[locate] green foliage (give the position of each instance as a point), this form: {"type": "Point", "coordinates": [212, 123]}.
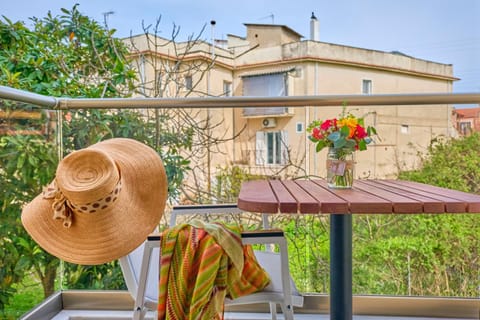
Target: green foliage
{"type": "Point", "coordinates": [26, 164]}
{"type": "Point", "coordinates": [106, 276]}
{"type": "Point", "coordinates": [424, 254]}
{"type": "Point", "coordinates": [420, 255]}
{"type": "Point", "coordinates": [416, 254]}
{"type": "Point", "coordinates": [308, 249]}
{"type": "Point", "coordinates": [66, 55]}
{"type": "Point", "coordinates": [451, 164]}
{"type": "Point", "coordinates": [9, 274]}
{"type": "Point", "coordinates": [29, 293]}
{"type": "Point", "coordinates": [228, 182]}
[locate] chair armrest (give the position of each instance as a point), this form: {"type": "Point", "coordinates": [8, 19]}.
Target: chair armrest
{"type": "Point", "coordinates": [207, 208]}
{"type": "Point", "coordinates": [263, 233]}
{"type": "Point", "coordinates": [269, 236]}
{"type": "Point", "coordinates": [262, 236]}
{"type": "Point", "coordinates": [154, 237]}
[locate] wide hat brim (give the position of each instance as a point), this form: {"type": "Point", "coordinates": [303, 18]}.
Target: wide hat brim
{"type": "Point", "coordinates": [113, 233]}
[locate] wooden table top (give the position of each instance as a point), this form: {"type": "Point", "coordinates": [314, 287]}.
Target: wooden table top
{"type": "Point", "coordinates": [366, 196]}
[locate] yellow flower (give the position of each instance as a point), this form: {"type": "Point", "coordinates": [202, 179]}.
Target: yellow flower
{"type": "Point", "coordinates": [350, 122]}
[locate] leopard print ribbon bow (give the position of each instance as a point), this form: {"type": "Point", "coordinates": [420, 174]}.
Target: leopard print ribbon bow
{"type": "Point", "coordinates": [61, 206]}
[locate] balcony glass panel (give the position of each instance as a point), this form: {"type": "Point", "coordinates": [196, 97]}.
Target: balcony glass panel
{"type": "Point", "coordinates": [404, 255]}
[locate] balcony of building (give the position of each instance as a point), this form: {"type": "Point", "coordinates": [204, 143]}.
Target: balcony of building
{"type": "Point", "coordinates": [105, 304]}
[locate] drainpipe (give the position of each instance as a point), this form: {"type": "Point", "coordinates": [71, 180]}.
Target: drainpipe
{"type": "Point", "coordinates": [450, 132]}
{"type": "Point", "coordinates": [315, 115]}
{"type": "Point", "coordinates": [142, 73]}
{"type": "Point", "coordinates": [315, 36]}
{"type": "Point", "coordinates": [209, 155]}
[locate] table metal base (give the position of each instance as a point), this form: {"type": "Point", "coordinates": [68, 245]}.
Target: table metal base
{"type": "Point", "coordinates": [341, 266]}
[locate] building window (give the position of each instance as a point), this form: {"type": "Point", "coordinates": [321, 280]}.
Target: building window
{"type": "Point", "coordinates": [404, 128]}
{"type": "Point", "coordinates": [271, 147]}
{"type": "Point", "coordinates": [299, 127]}
{"type": "Point", "coordinates": [227, 88]}
{"type": "Point", "coordinates": [366, 86]}
{"type": "Point", "coordinates": [188, 82]}
{"type": "Point", "coordinates": [268, 85]}
{"type": "Point", "coordinates": [465, 128]}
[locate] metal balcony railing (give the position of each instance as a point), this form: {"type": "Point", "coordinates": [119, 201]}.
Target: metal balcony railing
{"type": "Point", "coordinates": [239, 102]}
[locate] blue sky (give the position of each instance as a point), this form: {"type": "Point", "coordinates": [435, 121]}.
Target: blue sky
{"type": "Point", "coordinates": [445, 31]}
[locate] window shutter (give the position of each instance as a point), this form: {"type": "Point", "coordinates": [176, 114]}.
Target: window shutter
{"type": "Point", "coordinates": [260, 150]}
{"type": "Point", "coordinates": [284, 147]}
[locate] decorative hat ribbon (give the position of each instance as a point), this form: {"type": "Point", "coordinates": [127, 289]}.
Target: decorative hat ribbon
{"type": "Point", "coordinates": [61, 206]}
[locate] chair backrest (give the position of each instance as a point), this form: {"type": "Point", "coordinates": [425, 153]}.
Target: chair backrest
{"type": "Point", "coordinates": [131, 266]}
{"type": "Point", "coordinates": [205, 209]}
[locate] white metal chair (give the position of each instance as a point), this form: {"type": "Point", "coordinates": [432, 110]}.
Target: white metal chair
{"type": "Point", "coordinates": [140, 269]}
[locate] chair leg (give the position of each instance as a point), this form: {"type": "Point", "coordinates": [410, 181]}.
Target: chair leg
{"type": "Point", "coordinates": [139, 314]}
{"type": "Point", "coordinates": [273, 310]}
{"type": "Point", "coordinates": [287, 312]}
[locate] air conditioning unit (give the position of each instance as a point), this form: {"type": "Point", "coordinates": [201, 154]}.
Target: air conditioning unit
{"type": "Point", "coordinates": [269, 123]}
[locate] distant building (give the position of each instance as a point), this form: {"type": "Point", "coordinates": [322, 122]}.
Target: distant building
{"type": "Point", "coordinates": [273, 60]}
{"type": "Point", "coordinates": [467, 120]}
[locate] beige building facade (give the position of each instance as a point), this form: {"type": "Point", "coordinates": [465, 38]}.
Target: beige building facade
{"type": "Point", "coordinates": [273, 60]}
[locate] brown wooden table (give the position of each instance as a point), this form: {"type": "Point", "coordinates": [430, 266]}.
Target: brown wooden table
{"type": "Point", "coordinates": [367, 196]}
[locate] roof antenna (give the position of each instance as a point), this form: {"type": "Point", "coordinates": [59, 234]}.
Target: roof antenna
{"type": "Point", "coordinates": [105, 17]}
{"type": "Point", "coordinates": [271, 16]}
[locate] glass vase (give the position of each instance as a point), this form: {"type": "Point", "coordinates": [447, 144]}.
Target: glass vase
{"type": "Point", "coordinates": [340, 168]}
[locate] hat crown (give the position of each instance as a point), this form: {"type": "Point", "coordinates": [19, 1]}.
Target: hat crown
{"type": "Point", "coordinates": [87, 175]}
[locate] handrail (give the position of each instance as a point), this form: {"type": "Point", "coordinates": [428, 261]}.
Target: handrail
{"type": "Point", "coordinates": [28, 97]}
{"type": "Point", "coordinates": [225, 102]}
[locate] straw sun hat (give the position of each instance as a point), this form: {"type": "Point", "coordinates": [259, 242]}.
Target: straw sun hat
{"type": "Point", "coordinates": [102, 204]}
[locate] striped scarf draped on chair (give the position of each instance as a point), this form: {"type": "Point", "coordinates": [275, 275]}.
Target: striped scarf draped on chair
{"type": "Point", "coordinates": [201, 264]}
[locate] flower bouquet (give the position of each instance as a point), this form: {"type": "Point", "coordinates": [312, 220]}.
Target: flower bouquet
{"type": "Point", "coordinates": [343, 136]}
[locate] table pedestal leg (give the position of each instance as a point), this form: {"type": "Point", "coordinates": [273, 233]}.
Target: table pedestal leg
{"type": "Point", "coordinates": [341, 266]}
